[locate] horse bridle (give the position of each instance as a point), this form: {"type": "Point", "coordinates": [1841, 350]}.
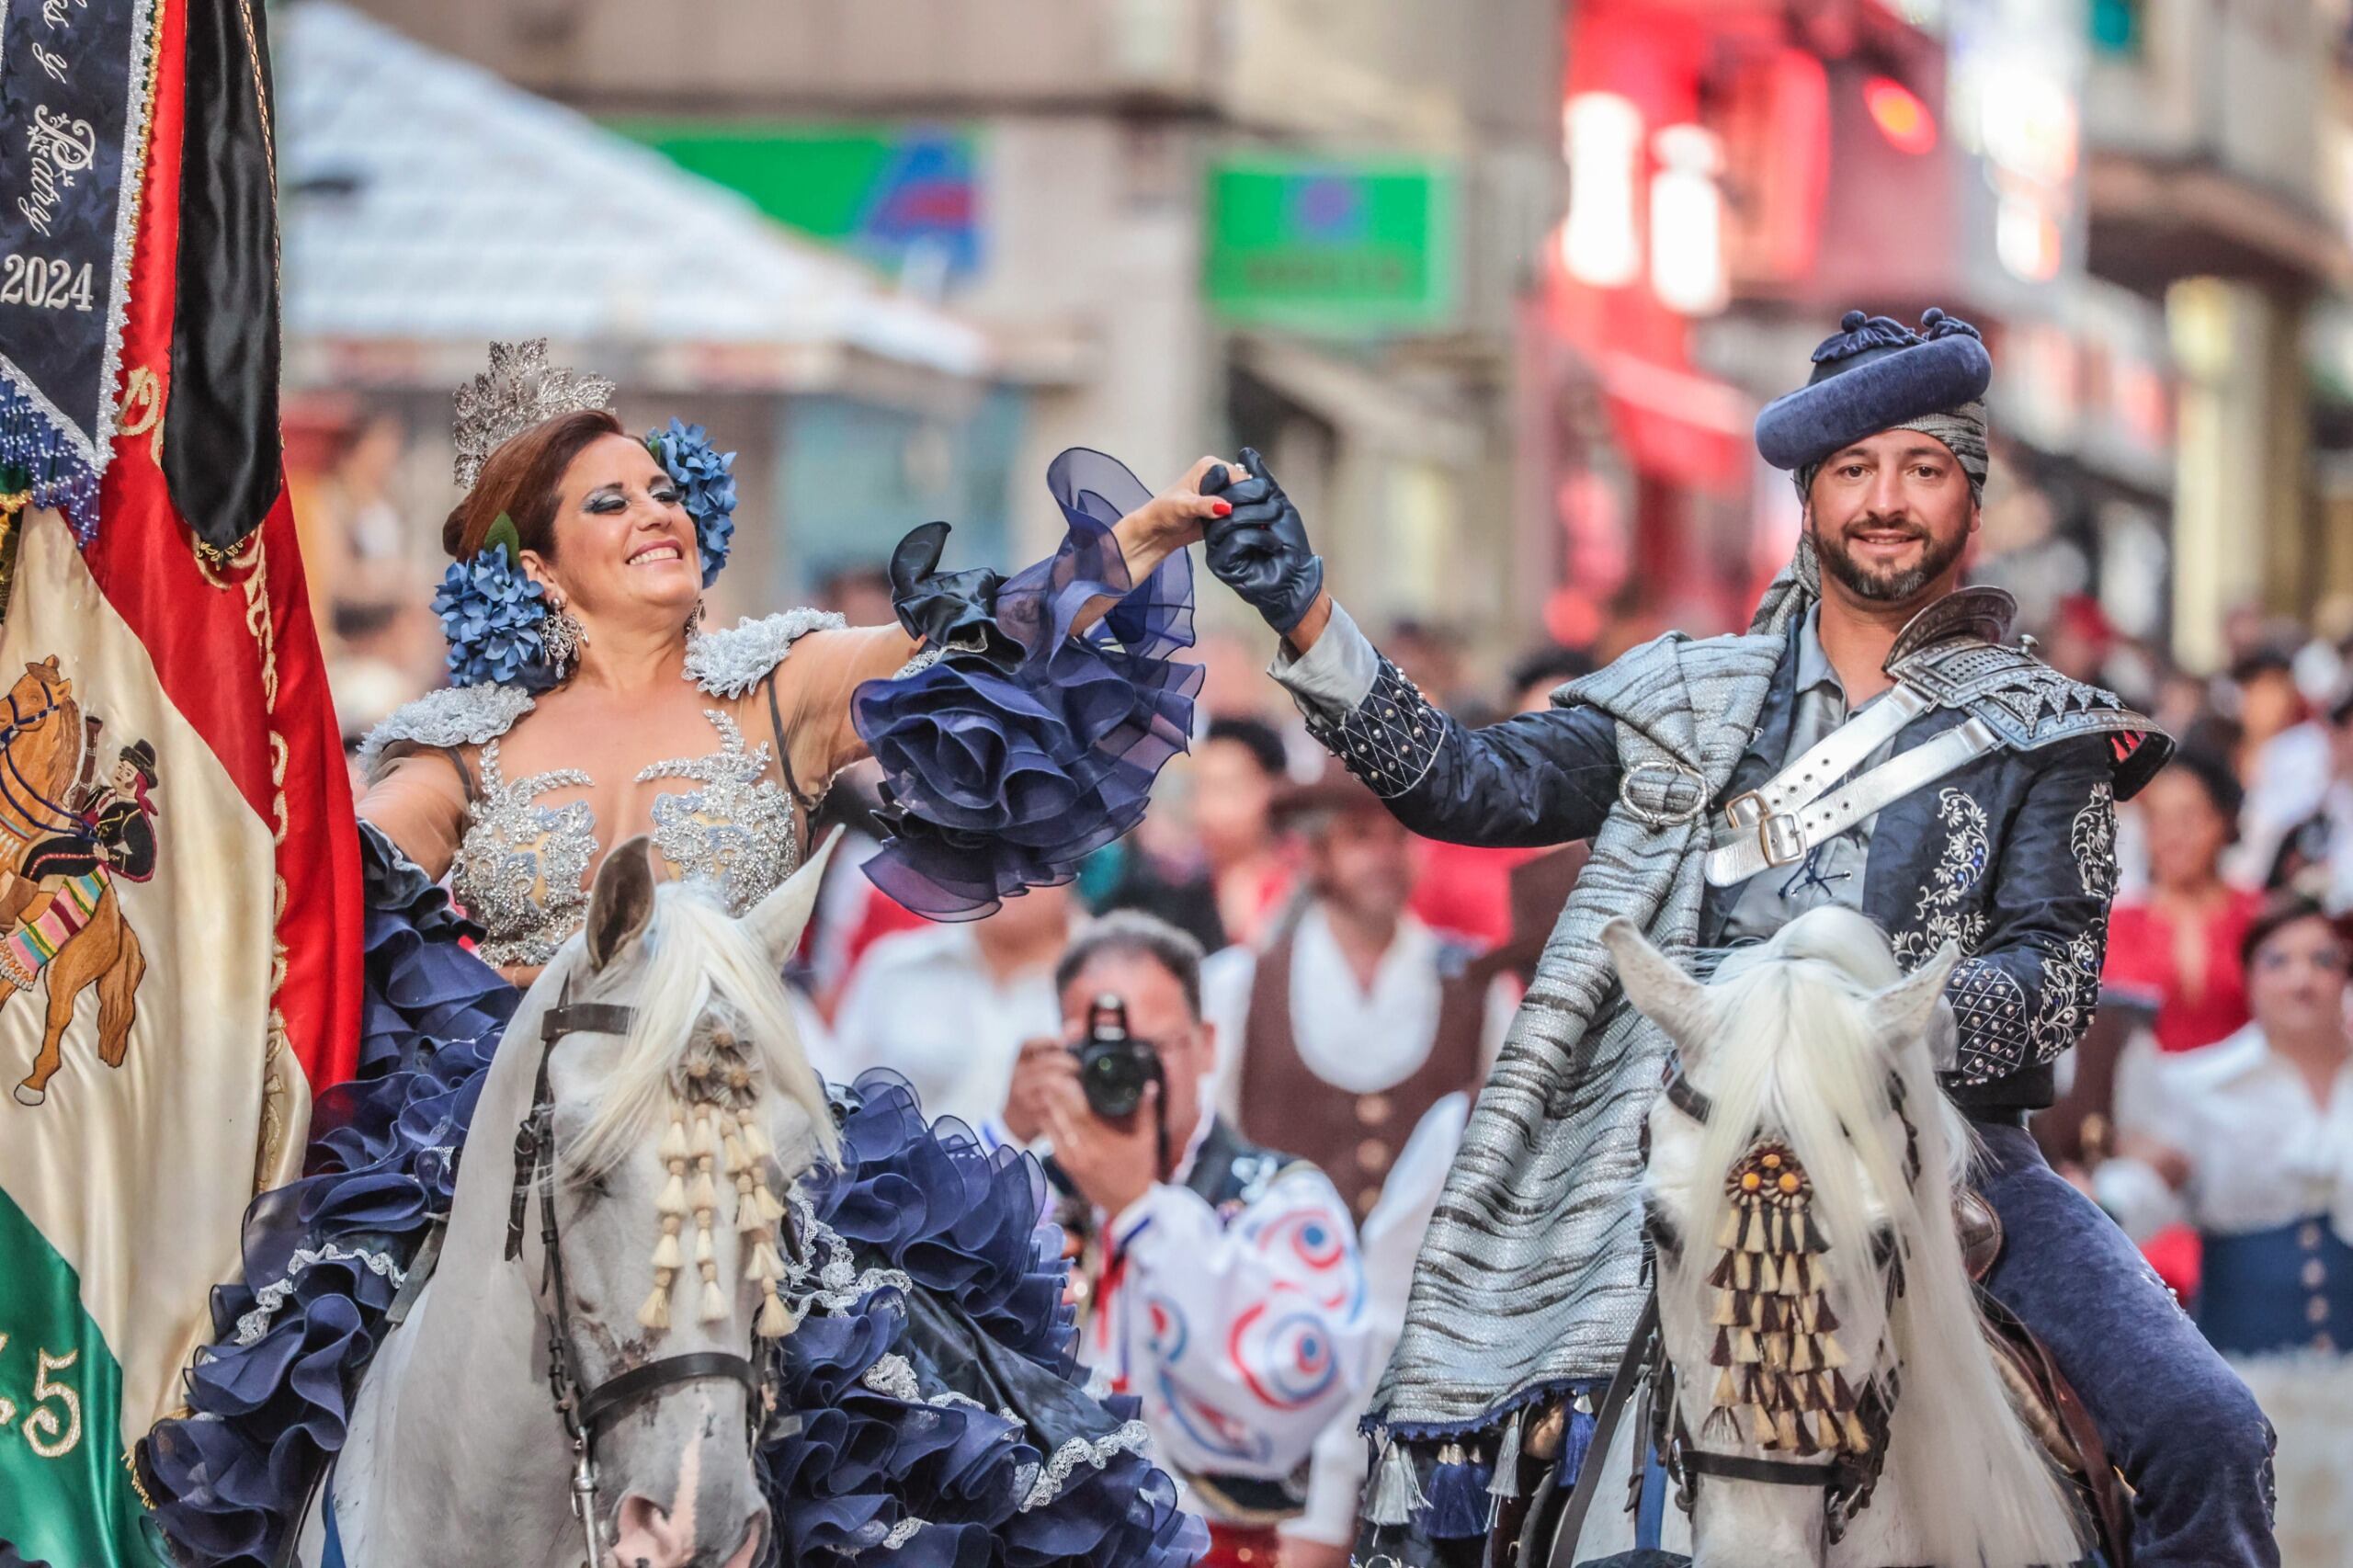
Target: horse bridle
{"type": "Point", "coordinates": [587, 1414]}
{"type": "Point", "coordinates": [1847, 1479]}
{"type": "Point", "coordinates": [18, 722]}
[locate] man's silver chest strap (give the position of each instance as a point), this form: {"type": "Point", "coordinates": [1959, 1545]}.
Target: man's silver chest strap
{"type": "Point", "coordinates": [1779, 823]}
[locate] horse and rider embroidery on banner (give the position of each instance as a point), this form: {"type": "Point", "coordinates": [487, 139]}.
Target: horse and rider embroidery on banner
{"type": "Point", "coordinates": [71, 829]}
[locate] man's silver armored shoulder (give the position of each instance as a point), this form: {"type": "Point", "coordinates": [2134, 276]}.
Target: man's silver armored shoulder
{"type": "Point", "coordinates": [1950, 653]}
{"type": "Point", "coordinates": [454, 716]}
{"type": "Point", "coordinates": [731, 663]}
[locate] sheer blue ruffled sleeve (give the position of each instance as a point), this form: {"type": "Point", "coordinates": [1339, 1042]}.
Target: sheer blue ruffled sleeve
{"type": "Point", "coordinates": [1028, 745]}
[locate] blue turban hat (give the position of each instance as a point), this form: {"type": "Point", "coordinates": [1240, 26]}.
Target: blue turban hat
{"type": "Point", "coordinates": [1877, 374]}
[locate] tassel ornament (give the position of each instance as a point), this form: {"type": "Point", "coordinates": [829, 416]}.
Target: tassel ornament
{"type": "Point", "coordinates": [655, 1313]}
{"type": "Point", "coordinates": [1506, 1483]}
{"type": "Point", "coordinates": [1396, 1491]}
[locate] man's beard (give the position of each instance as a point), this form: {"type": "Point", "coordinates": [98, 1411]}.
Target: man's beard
{"type": "Point", "coordinates": [1891, 586]}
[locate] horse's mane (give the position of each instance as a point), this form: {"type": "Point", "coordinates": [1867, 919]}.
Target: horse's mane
{"type": "Point", "coordinates": [1794, 1052]}
{"type": "Point", "coordinates": [699, 958]}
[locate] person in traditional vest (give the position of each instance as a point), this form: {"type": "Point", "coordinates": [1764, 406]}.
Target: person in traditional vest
{"type": "Point", "coordinates": [1338, 1036]}
{"type": "Point", "coordinates": [1223, 1285]}
{"type": "Point", "coordinates": [1873, 740]}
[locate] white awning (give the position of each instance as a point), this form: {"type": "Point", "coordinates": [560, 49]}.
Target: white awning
{"type": "Point", "coordinates": [428, 206]}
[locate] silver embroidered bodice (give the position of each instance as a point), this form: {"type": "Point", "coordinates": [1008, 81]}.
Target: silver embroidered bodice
{"type": "Point", "coordinates": [521, 867]}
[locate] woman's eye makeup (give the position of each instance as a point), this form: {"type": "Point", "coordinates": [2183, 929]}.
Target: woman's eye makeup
{"type": "Point", "coordinates": [605, 501]}
{"type": "Point", "coordinates": [666, 495]}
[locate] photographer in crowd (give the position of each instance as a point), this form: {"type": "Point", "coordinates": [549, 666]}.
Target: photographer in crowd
{"type": "Point", "coordinates": [1223, 1283]}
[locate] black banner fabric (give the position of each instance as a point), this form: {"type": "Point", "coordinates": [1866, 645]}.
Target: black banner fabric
{"type": "Point", "coordinates": [74, 86]}
{"type": "Point", "coordinates": [222, 451]}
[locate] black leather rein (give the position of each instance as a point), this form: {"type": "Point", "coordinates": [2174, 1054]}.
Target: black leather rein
{"type": "Point", "coordinates": [586, 1415]}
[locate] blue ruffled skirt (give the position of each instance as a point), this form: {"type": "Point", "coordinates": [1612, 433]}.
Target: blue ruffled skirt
{"type": "Point", "coordinates": [941, 1426]}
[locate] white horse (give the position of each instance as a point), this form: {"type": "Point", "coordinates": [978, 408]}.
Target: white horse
{"type": "Point", "coordinates": [1813, 1301]}
{"type": "Point", "coordinates": [457, 1454]}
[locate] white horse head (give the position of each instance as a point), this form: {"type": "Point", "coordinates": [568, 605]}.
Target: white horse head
{"type": "Point", "coordinates": [675, 1141]}
{"type": "Point", "coordinates": [676, 1136]}
{"type": "Point", "coordinates": [1812, 1294]}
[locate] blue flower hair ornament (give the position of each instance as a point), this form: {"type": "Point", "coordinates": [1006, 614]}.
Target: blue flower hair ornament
{"type": "Point", "coordinates": [493, 614]}
{"type": "Point", "coordinates": [706, 480]}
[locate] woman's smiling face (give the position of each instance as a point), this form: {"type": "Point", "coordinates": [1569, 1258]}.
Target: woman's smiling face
{"type": "Point", "coordinates": [624, 544]}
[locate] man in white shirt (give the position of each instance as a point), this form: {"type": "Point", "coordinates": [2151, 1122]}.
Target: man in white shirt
{"type": "Point", "coordinates": [1225, 1288]}
{"type": "Point", "coordinates": [1354, 1018]}
{"type": "Point", "coordinates": [948, 1006]}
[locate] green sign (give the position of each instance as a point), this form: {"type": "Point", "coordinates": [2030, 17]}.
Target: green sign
{"type": "Point", "coordinates": [1332, 245]}
{"type": "Point", "coordinates": [880, 191]}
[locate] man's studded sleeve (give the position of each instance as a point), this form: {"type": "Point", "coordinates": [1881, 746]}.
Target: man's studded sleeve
{"type": "Point", "coordinates": [1532, 780]}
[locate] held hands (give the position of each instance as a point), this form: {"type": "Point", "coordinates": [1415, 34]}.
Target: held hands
{"type": "Point", "coordinates": [1261, 551]}
{"type": "Point", "coordinates": [1175, 517]}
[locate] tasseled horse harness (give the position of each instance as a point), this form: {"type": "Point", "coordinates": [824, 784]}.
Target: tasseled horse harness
{"type": "Point", "coordinates": [1780, 1371]}
{"type": "Point", "coordinates": [1781, 1375]}
{"type": "Point", "coordinates": [721, 1103]}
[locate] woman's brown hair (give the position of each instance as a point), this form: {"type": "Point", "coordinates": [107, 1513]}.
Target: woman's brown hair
{"type": "Point", "coordinates": [521, 479]}
{"type": "Point", "coordinates": [2282, 908]}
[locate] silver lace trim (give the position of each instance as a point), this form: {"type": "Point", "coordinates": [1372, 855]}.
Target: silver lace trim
{"type": "Point", "coordinates": [274, 1295]}
{"type": "Point", "coordinates": [1134, 1437]}
{"type": "Point", "coordinates": [731, 661]}
{"type": "Point", "coordinates": [454, 716]}
{"type": "Point", "coordinates": [902, 1533]}
{"type": "Point", "coordinates": [894, 1375]}
{"type": "Point", "coordinates": [835, 1284]}
{"type": "Point", "coordinates": [736, 832]}
{"type": "Point", "coordinates": [926, 656]}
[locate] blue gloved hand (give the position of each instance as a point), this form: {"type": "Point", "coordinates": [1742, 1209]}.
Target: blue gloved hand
{"type": "Point", "coordinates": [1261, 551]}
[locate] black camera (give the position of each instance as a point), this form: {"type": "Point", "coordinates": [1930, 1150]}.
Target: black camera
{"type": "Point", "coordinates": [1114, 1066]}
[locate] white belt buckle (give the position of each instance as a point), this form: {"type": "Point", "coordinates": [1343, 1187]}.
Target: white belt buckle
{"type": "Point", "coordinates": [1782, 838]}
{"type": "Point", "coordinates": [1779, 836]}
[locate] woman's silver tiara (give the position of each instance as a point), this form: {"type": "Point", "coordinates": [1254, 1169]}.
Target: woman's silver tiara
{"type": "Point", "coordinates": [518, 391]}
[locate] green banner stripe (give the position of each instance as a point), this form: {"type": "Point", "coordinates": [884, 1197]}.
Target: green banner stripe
{"type": "Point", "coordinates": [65, 1489]}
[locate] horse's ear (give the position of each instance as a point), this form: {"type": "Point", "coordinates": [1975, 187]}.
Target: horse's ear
{"type": "Point", "coordinates": [622, 902]}
{"type": "Point", "coordinates": [1902, 1013]}
{"type": "Point", "coordinates": [1657, 985]}
{"type": "Point", "coordinates": [779, 919]}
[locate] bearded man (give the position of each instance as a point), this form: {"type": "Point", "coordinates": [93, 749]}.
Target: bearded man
{"type": "Point", "coordinates": [1873, 740]}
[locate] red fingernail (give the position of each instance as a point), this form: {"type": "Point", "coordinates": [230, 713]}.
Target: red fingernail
{"type": "Point", "coordinates": [1223, 508]}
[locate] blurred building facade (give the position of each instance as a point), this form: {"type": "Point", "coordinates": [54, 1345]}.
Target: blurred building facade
{"type": "Point", "coordinates": [2142, 202]}
{"type": "Point", "coordinates": [1499, 288]}
{"type": "Point", "coordinates": [1300, 224]}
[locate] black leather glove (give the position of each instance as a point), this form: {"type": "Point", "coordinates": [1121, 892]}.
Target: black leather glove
{"type": "Point", "coordinates": [1261, 551]}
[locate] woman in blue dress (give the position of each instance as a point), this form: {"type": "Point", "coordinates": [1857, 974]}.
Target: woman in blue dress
{"type": "Point", "coordinates": [1019, 723]}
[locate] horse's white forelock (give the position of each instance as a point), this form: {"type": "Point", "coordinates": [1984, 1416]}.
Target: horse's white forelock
{"type": "Point", "coordinates": [696, 956]}
{"type": "Point", "coordinates": [1793, 1050]}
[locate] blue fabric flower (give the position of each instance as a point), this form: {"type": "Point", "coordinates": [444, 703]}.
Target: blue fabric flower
{"type": "Point", "coordinates": [706, 480]}
{"type": "Point", "coordinates": [492, 613]}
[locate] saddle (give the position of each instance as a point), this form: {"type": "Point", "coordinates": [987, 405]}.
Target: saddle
{"type": "Point", "coordinates": [2052, 1408]}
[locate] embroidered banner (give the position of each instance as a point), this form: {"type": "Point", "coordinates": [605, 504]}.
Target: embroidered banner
{"type": "Point", "coordinates": [179, 907]}
{"type": "Point", "coordinates": [75, 80]}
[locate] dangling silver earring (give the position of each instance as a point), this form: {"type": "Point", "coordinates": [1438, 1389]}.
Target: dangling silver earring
{"type": "Point", "coordinates": [561, 637]}
{"type": "Point", "coordinates": [694, 619]}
